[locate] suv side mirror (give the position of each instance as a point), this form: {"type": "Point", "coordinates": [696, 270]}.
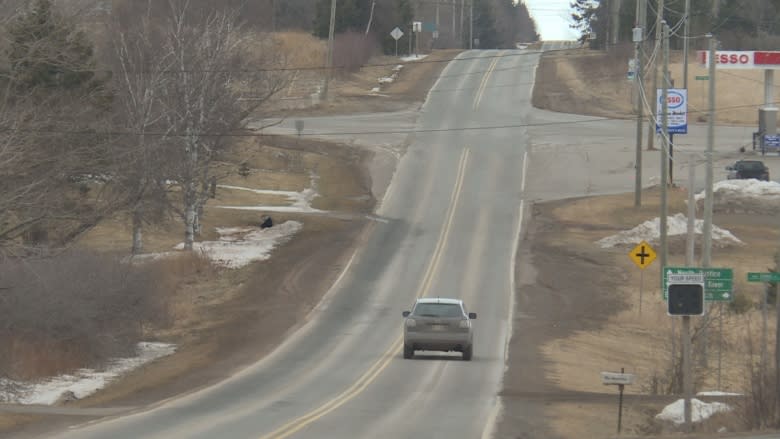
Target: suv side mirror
{"type": "Point", "coordinates": [406, 313]}
{"type": "Point", "coordinates": [729, 168]}
{"type": "Point", "coordinates": [472, 315]}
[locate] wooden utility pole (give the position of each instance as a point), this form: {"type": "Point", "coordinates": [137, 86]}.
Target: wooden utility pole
{"type": "Point", "coordinates": [614, 12]}
{"type": "Point", "coordinates": [686, 40]}
{"type": "Point", "coordinates": [329, 66]}
{"type": "Point", "coordinates": [654, 91]}
{"type": "Point", "coordinates": [471, 24]}
{"type": "Point", "coordinates": [639, 84]}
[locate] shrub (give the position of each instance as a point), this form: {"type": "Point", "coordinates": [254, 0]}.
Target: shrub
{"type": "Point", "coordinates": [73, 310]}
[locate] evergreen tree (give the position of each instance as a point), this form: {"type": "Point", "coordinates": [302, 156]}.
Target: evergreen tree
{"type": "Point", "coordinates": [47, 51]}
{"type": "Point", "coordinates": [484, 26]}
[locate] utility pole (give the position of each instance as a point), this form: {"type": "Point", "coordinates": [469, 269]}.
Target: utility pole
{"type": "Point", "coordinates": [273, 15]}
{"type": "Point", "coordinates": [654, 92]}
{"type": "Point", "coordinates": [639, 37]}
{"type": "Point", "coordinates": [371, 16]}
{"type": "Point", "coordinates": [664, 149]}
{"type": "Point", "coordinates": [614, 6]}
{"type": "Point", "coordinates": [329, 66]}
{"type": "Point", "coordinates": [471, 24]}
{"type": "Point", "coordinates": [462, 7]}
{"type": "Point", "coordinates": [454, 29]}
{"type": "Point", "coordinates": [686, 39]}
{"type": "Point", "coordinates": [706, 254]}
{"type": "Point", "coordinates": [436, 33]}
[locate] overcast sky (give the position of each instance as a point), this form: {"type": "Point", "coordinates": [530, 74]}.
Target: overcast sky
{"type": "Point", "coordinates": [552, 19]}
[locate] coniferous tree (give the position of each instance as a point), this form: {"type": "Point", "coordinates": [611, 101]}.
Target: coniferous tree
{"type": "Point", "coordinates": [47, 51]}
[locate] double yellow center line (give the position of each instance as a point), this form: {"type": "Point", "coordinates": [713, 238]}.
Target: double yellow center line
{"type": "Point", "coordinates": [485, 79]}
{"type": "Point", "coordinates": [373, 372]}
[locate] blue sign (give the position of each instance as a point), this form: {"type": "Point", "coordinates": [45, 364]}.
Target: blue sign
{"type": "Point", "coordinates": [677, 108]}
{"type": "Point", "coordinates": [772, 141]}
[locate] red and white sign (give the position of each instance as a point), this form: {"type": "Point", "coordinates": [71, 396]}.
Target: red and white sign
{"type": "Point", "coordinates": [742, 59]}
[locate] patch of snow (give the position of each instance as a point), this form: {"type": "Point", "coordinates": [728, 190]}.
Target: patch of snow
{"type": "Point", "coordinates": [239, 246]}
{"type": "Point", "coordinates": [375, 90]}
{"type": "Point", "coordinates": [413, 58]}
{"type": "Point", "coordinates": [651, 230]}
{"type": "Point", "coordinates": [744, 188]}
{"type": "Point", "coordinates": [700, 411]}
{"type": "Point", "coordinates": [386, 80]}
{"type": "Point", "coordinates": [301, 201]}
{"type": "Point", "coordinates": [717, 393]}
{"type": "Point", "coordinates": [83, 382]}
{"type": "Point", "coordinates": [398, 68]}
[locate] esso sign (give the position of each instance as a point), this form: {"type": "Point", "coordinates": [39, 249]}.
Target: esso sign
{"type": "Point", "coordinates": [735, 58]}
{"type": "Point", "coordinates": [674, 99]}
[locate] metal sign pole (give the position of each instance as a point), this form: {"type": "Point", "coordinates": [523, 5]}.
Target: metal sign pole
{"type": "Point", "coordinates": [641, 287]}
{"type": "Point", "coordinates": [687, 371]}
{"type": "Point", "coordinates": [620, 404]}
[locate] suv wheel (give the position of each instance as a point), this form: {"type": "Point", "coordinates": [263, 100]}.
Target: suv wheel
{"type": "Point", "coordinates": [467, 353]}
{"type": "Point", "coordinates": [408, 351]}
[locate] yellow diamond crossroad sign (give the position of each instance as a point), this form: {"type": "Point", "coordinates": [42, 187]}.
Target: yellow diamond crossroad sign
{"type": "Point", "coordinates": [642, 255]}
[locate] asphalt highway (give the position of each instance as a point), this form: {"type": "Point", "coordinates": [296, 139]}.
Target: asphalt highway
{"type": "Point", "coordinates": [450, 223]}
{"type": "Point", "coordinates": [452, 219]}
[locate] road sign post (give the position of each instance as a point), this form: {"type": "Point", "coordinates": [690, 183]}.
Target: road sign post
{"type": "Point", "coordinates": [396, 34]}
{"type": "Point", "coordinates": [621, 380]}
{"type": "Point", "coordinates": [642, 255]}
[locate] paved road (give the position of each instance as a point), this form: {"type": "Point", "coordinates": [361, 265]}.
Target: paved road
{"type": "Point", "coordinates": [453, 217]}
{"type": "Point", "coordinates": [453, 214]}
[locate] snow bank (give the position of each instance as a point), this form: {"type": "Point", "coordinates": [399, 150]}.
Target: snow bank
{"type": "Point", "coordinates": [239, 246]}
{"type": "Point", "coordinates": [744, 196]}
{"type": "Point", "coordinates": [745, 188]}
{"type": "Point", "coordinates": [651, 230]}
{"type": "Point", "coordinates": [301, 201]}
{"type": "Point", "coordinates": [413, 58]}
{"type": "Point", "coordinates": [700, 411]}
{"type": "Point", "coordinates": [83, 382]}
{"type": "Point", "coordinates": [717, 393]}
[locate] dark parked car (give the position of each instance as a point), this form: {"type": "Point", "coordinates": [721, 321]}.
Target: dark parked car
{"type": "Point", "coordinates": [744, 169]}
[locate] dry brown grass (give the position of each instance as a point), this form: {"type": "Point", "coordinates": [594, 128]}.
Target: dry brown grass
{"type": "Point", "coordinates": [304, 49]}
{"type": "Point", "coordinates": [642, 344]}
{"type": "Point", "coordinates": [594, 82]}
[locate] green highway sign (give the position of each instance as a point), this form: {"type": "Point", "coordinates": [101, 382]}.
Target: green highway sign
{"type": "Point", "coordinates": [702, 77]}
{"type": "Point", "coordinates": [763, 277]}
{"type": "Point", "coordinates": [718, 282]}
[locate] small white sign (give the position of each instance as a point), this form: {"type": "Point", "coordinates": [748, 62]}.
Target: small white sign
{"type": "Point", "coordinates": [417, 26]}
{"type": "Point", "coordinates": [396, 33]}
{"type": "Point", "coordinates": [614, 378]}
{"type": "Point", "coordinates": [685, 278]}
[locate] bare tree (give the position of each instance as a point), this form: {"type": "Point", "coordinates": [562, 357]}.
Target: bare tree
{"type": "Point", "coordinates": [142, 71]}
{"type": "Point", "coordinates": [51, 105]}
{"type": "Point", "coordinates": [216, 82]}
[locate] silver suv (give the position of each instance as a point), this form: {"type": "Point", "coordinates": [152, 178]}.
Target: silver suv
{"type": "Point", "coordinates": [437, 324]}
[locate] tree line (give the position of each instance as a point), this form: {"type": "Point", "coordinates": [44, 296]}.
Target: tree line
{"type": "Point", "coordinates": [737, 24]}
{"type": "Point", "coordinates": [132, 125]}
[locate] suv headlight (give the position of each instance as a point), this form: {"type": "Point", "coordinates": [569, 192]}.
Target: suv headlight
{"type": "Point", "coordinates": [411, 323]}
{"type": "Point", "coordinates": [465, 324]}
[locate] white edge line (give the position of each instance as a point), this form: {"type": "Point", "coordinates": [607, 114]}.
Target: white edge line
{"type": "Point", "coordinates": [525, 169]}
{"type": "Point", "coordinates": [498, 407]}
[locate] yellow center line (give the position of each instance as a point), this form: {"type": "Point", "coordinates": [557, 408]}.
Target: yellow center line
{"type": "Point", "coordinates": [485, 79]}
{"type": "Point", "coordinates": [373, 372]}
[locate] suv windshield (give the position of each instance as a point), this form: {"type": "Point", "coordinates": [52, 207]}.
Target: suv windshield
{"type": "Point", "coordinates": [437, 310]}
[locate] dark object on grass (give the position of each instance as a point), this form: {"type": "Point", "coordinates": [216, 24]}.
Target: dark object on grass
{"type": "Point", "coordinates": [266, 222]}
